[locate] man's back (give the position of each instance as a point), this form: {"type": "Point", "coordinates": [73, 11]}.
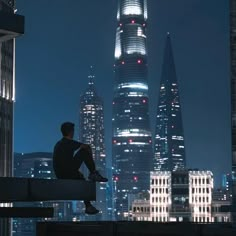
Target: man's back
{"type": "Point", "coordinates": [63, 156]}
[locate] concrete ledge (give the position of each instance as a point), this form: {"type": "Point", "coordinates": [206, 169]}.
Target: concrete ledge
{"type": "Point", "coordinates": [96, 228]}
{"type": "Point", "coordinates": [15, 189]}
{"type": "Point", "coordinates": [26, 212]}
{"type": "Point", "coordinates": [62, 189]}
{"type": "Point", "coordinates": [132, 229]}
{"type": "Point", "coordinates": [30, 189]}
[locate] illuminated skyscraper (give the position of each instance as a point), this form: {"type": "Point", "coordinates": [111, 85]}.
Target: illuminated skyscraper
{"type": "Point", "coordinates": [233, 99]}
{"type": "Point", "coordinates": [11, 26]}
{"type": "Point", "coordinates": [132, 145]}
{"type": "Point", "coordinates": [92, 132]}
{"type": "Point", "coordinates": [169, 153]}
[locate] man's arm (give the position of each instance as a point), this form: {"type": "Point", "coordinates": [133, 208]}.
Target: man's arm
{"type": "Point", "coordinates": [76, 145]}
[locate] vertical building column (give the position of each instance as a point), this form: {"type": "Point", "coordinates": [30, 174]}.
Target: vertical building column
{"type": "Point", "coordinates": [233, 101]}
{"type": "Point", "coordinates": [8, 31]}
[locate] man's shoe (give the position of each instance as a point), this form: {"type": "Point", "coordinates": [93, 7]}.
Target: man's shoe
{"type": "Point", "coordinates": [96, 177]}
{"type": "Point", "coordinates": [91, 210]}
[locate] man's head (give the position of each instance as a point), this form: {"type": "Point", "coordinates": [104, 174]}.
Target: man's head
{"type": "Point", "coordinates": [67, 130]}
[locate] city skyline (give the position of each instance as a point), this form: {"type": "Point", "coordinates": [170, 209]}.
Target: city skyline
{"type": "Point", "coordinates": [198, 49]}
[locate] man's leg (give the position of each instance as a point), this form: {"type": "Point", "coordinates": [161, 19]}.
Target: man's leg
{"type": "Point", "coordinates": [89, 208]}
{"type": "Point", "coordinates": [85, 155]}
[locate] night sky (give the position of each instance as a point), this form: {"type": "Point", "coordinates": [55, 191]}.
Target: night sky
{"type": "Point", "coordinates": [63, 38]}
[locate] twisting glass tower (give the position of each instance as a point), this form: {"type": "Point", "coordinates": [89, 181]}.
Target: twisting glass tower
{"type": "Point", "coordinates": [92, 132]}
{"type": "Point", "coordinates": [169, 152]}
{"type": "Point", "coordinates": [233, 101]}
{"type": "Point", "coordinates": [132, 147]}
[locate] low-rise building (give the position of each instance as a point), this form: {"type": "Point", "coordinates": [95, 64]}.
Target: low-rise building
{"type": "Point", "coordinates": [178, 196]}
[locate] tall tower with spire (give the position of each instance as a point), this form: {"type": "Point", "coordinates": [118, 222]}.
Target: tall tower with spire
{"type": "Point", "coordinates": [169, 151]}
{"type": "Point", "coordinates": [92, 132]}
{"type": "Point", "coordinates": [132, 142]}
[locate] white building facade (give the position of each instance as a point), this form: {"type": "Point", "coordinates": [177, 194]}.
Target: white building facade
{"type": "Point", "coordinates": [177, 196]}
{"type": "Point", "coordinates": [200, 195]}
{"type": "Point", "coordinates": [160, 196]}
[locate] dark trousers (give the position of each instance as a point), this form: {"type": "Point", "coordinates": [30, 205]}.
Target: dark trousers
{"type": "Point", "coordinates": [82, 156]}
{"type": "Point", "coordinates": [86, 156]}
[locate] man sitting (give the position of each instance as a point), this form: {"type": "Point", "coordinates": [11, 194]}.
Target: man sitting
{"type": "Point", "coordinates": [66, 162]}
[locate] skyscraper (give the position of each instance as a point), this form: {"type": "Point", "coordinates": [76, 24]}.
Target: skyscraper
{"type": "Point", "coordinates": [132, 142]}
{"type": "Point", "coordinates": [169, 152]}
{"type": "Point", "coordinates": [233, 100]}
{"type": "Point", "coordinates": [11, 25]}
{"type": "Point", "coordinates": [92, 132]}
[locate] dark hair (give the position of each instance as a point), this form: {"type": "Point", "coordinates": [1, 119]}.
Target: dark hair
{"type": "Point", "coordinates": [67, 128]}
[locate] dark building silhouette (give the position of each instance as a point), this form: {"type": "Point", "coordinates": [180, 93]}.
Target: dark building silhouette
{"type": "Point", "coordinates": [169, 151]}
{"type": "Point", "coordinates": [132, 142]}
{"type": "Point", "coordinates": [92, 132]}
{"type": "Point", "coordinates": [11, 26]}
{"type": "Point", "coordinates": [233, 100]}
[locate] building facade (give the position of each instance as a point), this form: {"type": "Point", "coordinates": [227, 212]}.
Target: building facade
{"type": "Point", "coordinates": [92, 132]}
{"type": "Point", "coordinates": [7, 87]}
{"type": "Point", "coordinates": [177, 196]}
{"type": "Point", "coordinates": [221, 204]}
{"type": "Point", "coordinates": [160, 196]}
{"type": "Point", "coordinates": [233, 101]}
{"type": "Point", "coordinates": [8, 28]}
{"type": "Point", "coordinates": [169, 148]}
{"type": "Point", "coordinates": [132, 142]}
{"type": "Point", "coordinates": [200, 195]}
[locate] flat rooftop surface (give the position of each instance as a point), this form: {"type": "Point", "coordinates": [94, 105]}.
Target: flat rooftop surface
{"type": "Point", "coordinates": [129, 228]}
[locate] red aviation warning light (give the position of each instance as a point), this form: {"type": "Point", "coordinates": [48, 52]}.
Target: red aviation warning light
{"type": "Point", "coordinates": [116, 178]}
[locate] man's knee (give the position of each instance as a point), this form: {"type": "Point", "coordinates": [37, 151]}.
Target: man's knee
{"type": "Point", "coordinates": [83, 152]}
